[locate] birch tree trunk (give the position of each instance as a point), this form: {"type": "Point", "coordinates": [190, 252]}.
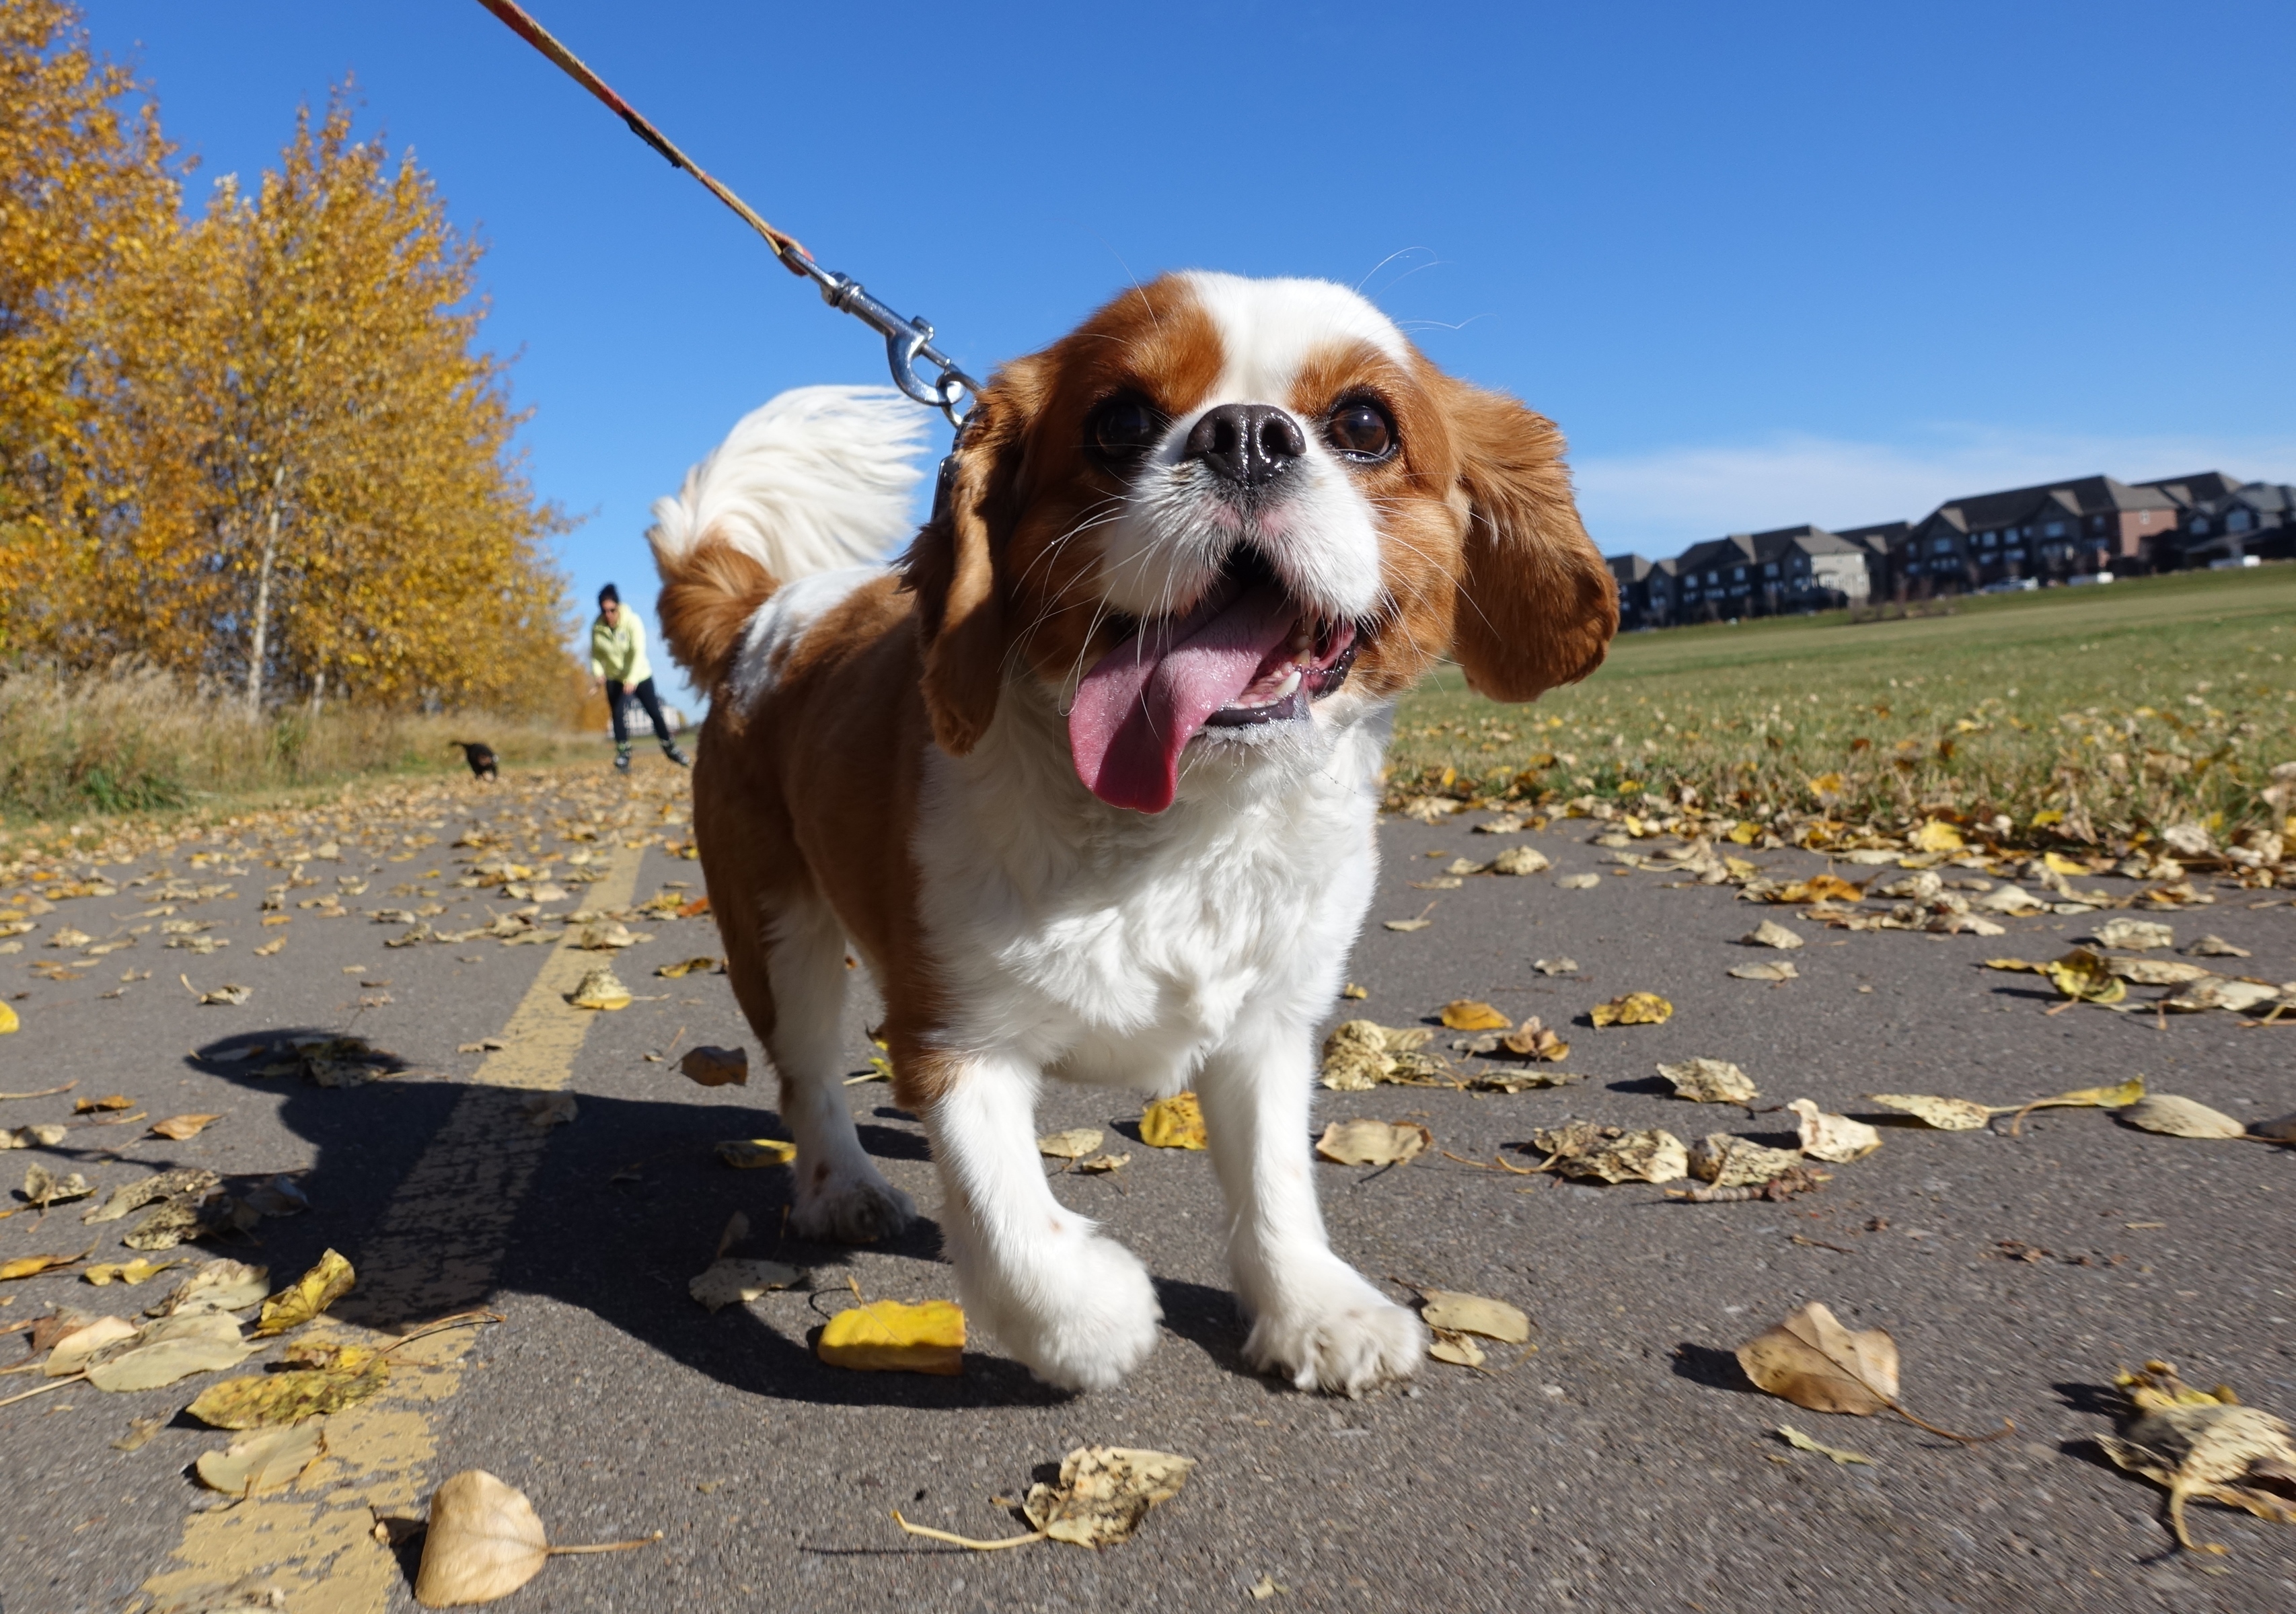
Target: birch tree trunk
{"type": "Point", "coordinates": [261, 645]}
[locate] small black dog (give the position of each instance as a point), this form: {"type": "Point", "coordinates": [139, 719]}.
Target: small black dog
{"type": "Point", "coordinates": [481, 756]}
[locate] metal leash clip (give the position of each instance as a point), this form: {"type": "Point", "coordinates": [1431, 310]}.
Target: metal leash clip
{"type": "Point", "coordinates": [906, 341]}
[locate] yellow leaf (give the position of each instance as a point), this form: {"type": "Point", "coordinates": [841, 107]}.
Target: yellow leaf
{"type": "Point", "coordinates": [1746, 831]}
{"type": "Point", "coordinates": [749, 1154]}
{"type": "Point", "coordinates": [266, 1461]}
{"type": "Point", "coordinates": [1472, 1014]}
{"type": "Point", "coordinates": [1936, 836]}
{"type": "Point", "coordinates": [340, 1376]}
{"type": "Point", "coordinates": [26, 1266]}
{"type": "Point", "coordinates": [600, 989]}
{"type": "Point", "coordinates": [2059, 864]}
{"type": "Point", "coordinates": [2083, 975]}
{"type": "Point", "coordinates": [1826, 784]}
{"type": "Point", "coordinates": [1174, 1123]}
{"type": "Point", "coordinates": [889, 1336]}
{"type": "Point", "coordinates": [2046, 816]}
{"type": "Point", "coordinates": [305, 1298]}
{"type": "Point", "coordinates": [686, 967]}
{"type": "Point", "coordinates": [1801, 1442]}
{"type": "Point", "coordinates": [1945, 1114]}
{"type": "Point", "coordinates": [182, 1126]}
{"type": "Point", "coordinates": [1463, 1313]}
{"type": "Point", "coordinates": [1074, 1144]}
{"type": "Point", "coordinates": [127, 1272]}
{"type": "Point", "coordinates": [8, 1021]}
{"type": "Point", "coordinates": [710, 1066]}
{"type": "Point", "coordinates": [1633, 1009]}
{"type": "Point", "coordinates": [1372, 1143]}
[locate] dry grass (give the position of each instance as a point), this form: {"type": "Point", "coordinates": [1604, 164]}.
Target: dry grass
{"type": "Point", "coordinates": [133, 739]}
{"type": "Point", "coordinates": [2147, 702]}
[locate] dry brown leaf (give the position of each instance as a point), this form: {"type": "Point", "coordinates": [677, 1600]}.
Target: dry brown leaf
{"type": "Point", "coordinates": [268, 1461]}
{"type": "Point", "coordinates": [1360, 1053]}
{"type": "Point", "coordinates": [686, 966]}
{"type": "Point", "coordinates": [1472, 1014]}
{"type": "Point", "coordinates": [317, 1290]}
{"type": "Point", "coordinates": [1101, 1164]}
{"type": "Point", "coordinates": [1610, 1154]}
{"type": "Point", "coordinates": [2135, 935]}
{"type": "Point", "coordinates": [181, 1127]}
{"type": "Point", "coordinates": [1520, 860]}
{"type": "Point", "coordinates": [2218, 992]}
{"type": "Point", "coordinates": [1463, 1313]}
{"type": "Point", "coordinates": [2204, 1443]}
{"type": "Point", "coordinates": [2216, 946]}
{"type": "Point", "coordinates": [727, 1281]}
{"type": "Point", "coordinates": [46, 1137]}
{"type": "Point", "coordinates": [1458, 1350]}
{"type": "Point", "coordinates": [220, 1285]}
{"type": "Point", "coordinates": [485, 1541]}
{"type": "Point", "coordinates": [1782, 970]}
{"type": "Point", "coordinates": [323, 1380]}
{"type": "Point", "coordinates": [71, 1353]}
{"type": "Point", "coordinates": [1174, 1123]}
{"type": "Point", "coordinates": [891, 1336]}
{"type": "Point", "coordinates": [1367, 1142]}
{"type": "Point", "coordinates": [1818, 888]}
{"type": "Point", "coordinates": [752, 1154]}
{"type": "Point", "coordinates": [544, 1111]}
{"type": "Point", "coordinates": [44, 1188]}
{"type": "Point", "coordinates": [1633, 1009]}
{"type": "Point", "coordinates": [1534, 1040]}
{"type": "Point", "coordinates": [1945, 1114]}
{"type": "Point", "coordinates": [1074, 1144]}
{"type": "Point", "coordinates": [27, 1267]}
{"type": "Point", "coordinates": [1833, 1137]}
{"type": "Point", "coordinates": [1770, 933]}
{"type": "Point", "coordinates": [1103, 1493]}
{"type": "Point", "coordinates": [1736, 1162]}
{"type": "Point", "coordinates": [116, 1101]}
{"type": "Point", "coordinates": [1577, 883]}
{"type": "Point", "coordinates": [601, 990]}
{"type": "Point", "coordinates": [172, 1349]}
{"type": "Point", "coordinates": [2182, 1118]}
{"type": "Point", "coordinates": [709, 1067]}
{"type": "Point", "coordinates": [1709, 1081]}
{"type": "Point", "coordinates": [1813, 1361]}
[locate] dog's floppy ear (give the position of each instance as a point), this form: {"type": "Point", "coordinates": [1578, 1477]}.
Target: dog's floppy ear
{"type": "Point", "coordinates": [955, 566]}
{"type": "Point", "coordinates": [1537, 606]}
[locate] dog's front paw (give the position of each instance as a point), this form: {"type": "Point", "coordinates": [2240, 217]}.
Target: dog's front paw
{"type": "Point", "coordinates": [1087, 1320]}
{"type": "Point", "coordinates": [1337, 1334]}
{"type": "Point", "coordinates": [851, 1209]}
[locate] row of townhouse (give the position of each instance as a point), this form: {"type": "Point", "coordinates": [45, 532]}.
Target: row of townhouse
{"type": "Point", "coordinates": [2052, 533]}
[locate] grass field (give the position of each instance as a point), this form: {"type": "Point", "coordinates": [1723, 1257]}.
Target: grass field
{"type": "Point", "coordinates": [2147, 701]}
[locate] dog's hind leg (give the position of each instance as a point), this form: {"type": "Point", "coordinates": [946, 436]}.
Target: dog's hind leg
{"type": "Point", "coordinates": [840, 1194]}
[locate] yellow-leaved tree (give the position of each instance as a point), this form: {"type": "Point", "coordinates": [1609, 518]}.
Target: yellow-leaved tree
{"type": "Point", "coordinates": [264, 450]}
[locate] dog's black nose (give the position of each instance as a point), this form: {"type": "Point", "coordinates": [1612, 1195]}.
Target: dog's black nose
{"type": "Point", "coordinates": [1249, 444]}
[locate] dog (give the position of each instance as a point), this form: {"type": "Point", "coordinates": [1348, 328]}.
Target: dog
{"type": "Point", "coordinates": [481, 756]}
{"type": "Point", "coordinates": [1088, 777]}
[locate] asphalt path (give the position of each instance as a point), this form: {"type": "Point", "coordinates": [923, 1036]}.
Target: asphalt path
{"type": "Point", "coordinates": [1624, 1464]}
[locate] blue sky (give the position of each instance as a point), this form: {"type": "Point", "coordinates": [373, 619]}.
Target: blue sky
{"type": "Point", "coordinates": [1763, 263]}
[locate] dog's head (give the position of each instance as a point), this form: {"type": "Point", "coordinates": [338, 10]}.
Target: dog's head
{"type": "Point", "coordinates": [1225, 511]}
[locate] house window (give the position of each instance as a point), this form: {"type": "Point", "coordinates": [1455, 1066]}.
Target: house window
{"type": "Point", "coordinates": [2200, 527]}
{"type": "Point", "coordinates": [1713, 578]}
{"type": "Point", "coordinates": [1989, 539]}
{"type": "Point", "coordinates": [1770, 569]}
{"type": "Point", "coordinates": [2054, 530]}
{"type": "Point", "coordinates": [1940, 546]}
{"type": "Point", "coordinates": [2013, 554]}
{"type": "Point", "coordinates": [2237, 522]}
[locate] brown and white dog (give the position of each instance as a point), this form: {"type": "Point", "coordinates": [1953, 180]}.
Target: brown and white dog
{"type": "Point", "coordinates": [1088, 778]}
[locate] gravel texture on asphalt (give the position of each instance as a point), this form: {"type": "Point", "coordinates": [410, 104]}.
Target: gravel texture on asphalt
{"type": "Point", "coordinates": [1622, 1463]}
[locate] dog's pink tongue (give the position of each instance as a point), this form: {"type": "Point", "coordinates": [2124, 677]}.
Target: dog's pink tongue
{"type": "Point", "coordinates": [1147, 698]}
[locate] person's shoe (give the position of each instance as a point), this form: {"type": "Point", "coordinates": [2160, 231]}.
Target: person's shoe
{"type": "Point", "coordinates": [676, 756]}
{"type": "Point", "coordinates": [621, 762]}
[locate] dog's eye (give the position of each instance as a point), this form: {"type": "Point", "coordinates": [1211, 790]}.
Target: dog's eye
{"type": "Point", "coordinates": [1123, 428]}
{"type": "Point", "coordinates": [1362, 432]}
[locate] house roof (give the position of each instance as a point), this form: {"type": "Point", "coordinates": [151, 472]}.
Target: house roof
{"type": "Point", "coordinates": [2197, 488]}
{"type": "Point", "coordinates": [1879, 539]}
{"type": "Point", "coordinates": [1627, 568]}
{"type": "Point", "coordinates": [2079, 495]}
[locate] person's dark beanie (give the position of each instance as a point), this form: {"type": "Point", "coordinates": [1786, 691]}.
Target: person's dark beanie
{"type": "Point", "coordinates": [610, 592]}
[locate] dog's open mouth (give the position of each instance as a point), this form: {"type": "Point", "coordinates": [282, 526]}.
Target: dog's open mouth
{"type": "Point", "coordinates": [1246, 653]}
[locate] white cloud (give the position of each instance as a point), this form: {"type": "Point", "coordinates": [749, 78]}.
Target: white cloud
{"type": "Point", "coordinates": [1660, 503]}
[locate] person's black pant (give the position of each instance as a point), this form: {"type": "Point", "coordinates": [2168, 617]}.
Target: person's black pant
{"type": "Point", "coordinates": [618, 701]}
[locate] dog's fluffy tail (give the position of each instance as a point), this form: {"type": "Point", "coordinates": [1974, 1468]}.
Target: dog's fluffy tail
{"type": "Point", "coordinates": [818, 478]}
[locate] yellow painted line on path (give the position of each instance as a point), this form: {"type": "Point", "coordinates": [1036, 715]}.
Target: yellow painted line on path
{"type": "Point", "coordinates": [438, 1249]}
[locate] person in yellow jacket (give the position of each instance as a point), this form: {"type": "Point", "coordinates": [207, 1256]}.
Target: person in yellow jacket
{"type": "Point", "coordinates": [617, 664]}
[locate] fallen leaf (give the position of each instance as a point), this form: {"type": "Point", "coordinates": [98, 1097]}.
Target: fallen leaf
{"type": "Point", "coordinates": [317, 1290]}
{"type": "Point", "coordinates": [2082, 975]}
{"type": "Point", "coordinates": [1735, 1162]}
{"type": "Point", "coordinates": [89, 1106]}
{"type": "Point", "coordinates": [544, 1111]}
{"type": "Point", "coordinates": [1101, 1164]}
{"type": "Point", "coordinates": [1353, 991]}
{"type": "Point", "coordinates": [229, 997]}
{"type": "Point", "coordinates": [1611, 1154]}
{"type": "Point", "coordinates": [1521, 860]}
{"type": "Point", "coordinates": [335, 1377]}
{"type": "Point", "coordinates": [48, 1136]}
{"type": "Point", "coordinates": [1833, 1137]}
{"type": "Point", "coordinates": [1555, 966]}
{"type": "Point", "coordinates": [8, 1019]}
{"type": "Point", "coordinates": [1577, 883]}
{"type": "Point", "coordinates": [485, 1045]}
{"type": "Point", "coordinates": [2198, 1444]}
{"type": "Point", "coordinates": [2159, 971]}
{"type": "Point", "coordinates": [1406, 924]}
{"type": "Point", "coordinates": [182, 1126]}
{"type": "Point", "coordinates": [2280, 1129]}
{"type": "Point", "coordinates": [599, 989]}
{"type": "Point", "coordinates": [44, 1188]}
{"type": "Point", "coordinates": [890, 1336]}
{"type": "Point", "coordinates": [483, 1542]}
{"type": "Point", "coordinates": [70, 1352]}
{"type": "Point", "coordinates": [270, 947]}
{"type": "Point", "coordinates": [1457, 1349]}
{"type": "Point", "coordinates": [752, 1154]}
{"type": "Point", "coordinates": [1174, 1123]}
{"type": "Point", "coordinates": [1524, 1081]}
{"type": "Point", "coordinates": [1472, 1014]}
{"type": "Point", "coordinates": [2135, 935]}
{"type": "Point", "coordinates": [2217, 992]}
{"type": "Point", "coordinates": [2181, 1117]}
{"type": "Point", "coordinates": [2115, 1097]}
{"type": "Point", "coordinates": [1782, 970]}
{"type": "Point", "coordinates": [1367, 1142]}
{"type": "Point", "coordinates": [1074, 1144]}
{"type": "Point", "coordinates": [27, 1267]}
{"type": "Point", "coordinates": [1360, 1053]}
{"type": "Point", "coordinates": [1103, 1493]}
{"type": "Point", "coordinates": [1534, 1040]}
{"type": "Point", "coordinates": [687, 966]}
{"type": "Point", "coordinates": [2216, 946]}
{"type": "Point", "coordinates": [130, 1272]}
{"type": "Point", "coordinates": [726, 1280]}
{"type": "Point", "coordinates": [172, 1348]}
{"type": "Point", "coordinates": [269, 1460]}
{"type": "Point", "coordinates": [1945, 1114]}
{"type": "Point", "coordinates": [1817, 888]}
{"type": "Point", "coordinates": [1464, 1313]}
{"type": "Point", "coordinates": [1936, 836]}
{"type": "Point", "coordinates": [1709, 1081]}
{"type": "Point", "coordinates": [1801, 1442]}
{"type": "Point", "coordinates": [1811, 1360]}
{"type": "Point", "coordinates": [1770, 933]}
{"type": "Point", "coordinates": [2026, 964]}
{"type": "Point", "coordinates": [139, 1434]}
{"type": "Point", "coordinates": [190, 1182]}
{"type": "Point", "coordinates": [1633, 1009]}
